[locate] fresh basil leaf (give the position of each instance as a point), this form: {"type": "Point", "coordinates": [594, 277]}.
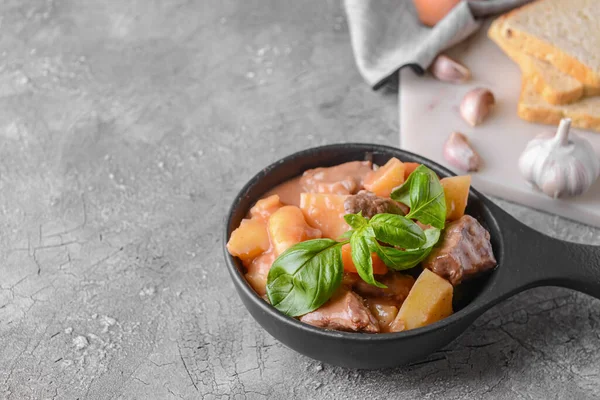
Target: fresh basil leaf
{"type": "Point", "coordinates": [402, 193]}
{"type": "Point", "coordinates": [397, 231]}
{"type": "Point", "coordinates": [405, 259]}
{"type": "Point", "coordinates": [305, 276]}
{"type": "Point", "coordinates": [424, 194]}
{"type": "Point", "coordinates": [346, 235]}
{"type": "Point", "coordinates": [356, 221]}
{"type": "Point", "coordinates": [361, 256]}
{"type": "Point", "coordinates": [432, 236]}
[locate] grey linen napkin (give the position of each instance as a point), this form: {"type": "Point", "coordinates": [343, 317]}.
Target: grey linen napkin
{"type": "Point", "coordinates": [387, 35]}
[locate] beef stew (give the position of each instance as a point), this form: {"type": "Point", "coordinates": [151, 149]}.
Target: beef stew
{"type": "Point", "coordinates": [353, 226]}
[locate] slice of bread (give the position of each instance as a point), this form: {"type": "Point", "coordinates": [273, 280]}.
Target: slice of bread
{"type": "Point", "coordinates": [555, 86]}
{"type": "Point", "coordinates": [532, 107]}
{"type": "Point", "coordinates": [565, 33]}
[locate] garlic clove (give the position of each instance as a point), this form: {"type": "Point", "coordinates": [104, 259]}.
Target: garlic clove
{"type": "Point", "coordinates": [561, 165]}
{"type": "Point", "coordinates": [476, 105]}
{"type": "Point", "coordinates": [446, 69]}
{"type": "Point", "coordinates": [459, 153]}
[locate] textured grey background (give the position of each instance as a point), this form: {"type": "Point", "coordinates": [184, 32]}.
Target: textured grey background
{"type": "Point", "coordinates": [126, 128]}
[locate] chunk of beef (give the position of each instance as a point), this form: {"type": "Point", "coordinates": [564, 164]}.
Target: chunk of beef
{"type": "Point", "coordinates": [464, 251]}
{"type": "Point", "coordinates": [345, 178]}
{"type": "Point", "coordinates": [349, 279]}
{"type": "Point", "coordinates": [398, 286]}
{"type": "Point", "coordinates": [346, 311]}
{"type": "Point", "coordinates": [370, 204]}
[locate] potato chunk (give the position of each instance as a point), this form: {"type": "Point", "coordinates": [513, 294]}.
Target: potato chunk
{"type": "Point", "coordinates": [384, 311]}
{"type": "Point", "coordinates": [249, 240]}
{"type": "Point", "coordinates": [429, 300]}
{"type": "Point", "coordinates": [325, 212]}
{"type": "Point", "coordinates": [264, 208]}
{"type": "Point", "coordinates": [386, 178]}
{"type": "Point", "coordinates": [288, 227]}
{"type": "Point", "coordinates": [456, 191]}
{"type": "Point", "coordinates": [258, 271]}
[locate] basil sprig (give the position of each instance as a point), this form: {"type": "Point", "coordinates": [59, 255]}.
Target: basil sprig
{"type": "Point", "coordinates": [397, 231]}
{"type": "Point", "coordinates": [424, 194]}
{"type": "Point", "coordinates": [405, 259]}
{"type": "Point", "coordinates": [393, 229]}
{"type": "Point", "coordinates": [360, 250]}
{"type": "Point", "coordinates": [361, 255]}
{"type": "Point", "coordinates": [306, 275]}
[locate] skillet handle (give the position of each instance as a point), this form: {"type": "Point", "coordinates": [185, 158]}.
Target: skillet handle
{"type": "Point", "coordinates": [530, 258]}
{"type": "Point", "coordinates": [571, 265]}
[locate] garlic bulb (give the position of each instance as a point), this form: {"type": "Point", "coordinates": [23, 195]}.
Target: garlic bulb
{"type": "Point", "coordinates": [560, 165]}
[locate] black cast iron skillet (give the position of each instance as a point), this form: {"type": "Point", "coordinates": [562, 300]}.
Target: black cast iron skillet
{"type": "Point", "coordinates": [526, 258]}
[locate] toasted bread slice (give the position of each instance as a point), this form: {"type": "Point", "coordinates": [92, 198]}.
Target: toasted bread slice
{"type": "Point", "coordinates": [555, 86]}
{"type": "Point", "coordinates": [532, 107]}
{"type": "Point", "coordinates": [563, 32]}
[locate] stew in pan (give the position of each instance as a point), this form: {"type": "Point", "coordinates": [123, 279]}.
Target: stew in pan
{"type": "Point", "coordinates": [362, 248]}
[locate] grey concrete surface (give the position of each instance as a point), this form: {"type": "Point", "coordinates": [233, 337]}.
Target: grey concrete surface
{"type": "Point", "coordinates": [126, 128]}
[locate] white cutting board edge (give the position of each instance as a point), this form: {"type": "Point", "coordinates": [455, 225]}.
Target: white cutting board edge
{"type": "Point", "coordinates": [429, 113]}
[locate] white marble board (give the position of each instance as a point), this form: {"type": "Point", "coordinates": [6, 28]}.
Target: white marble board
{"type": "Point", "coordinates": [429, 113]}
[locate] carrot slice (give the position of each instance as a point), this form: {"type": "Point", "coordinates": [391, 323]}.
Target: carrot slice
{"type": "Point", "coordinates": [409, 167]}
{"type": "Point", "coordinates": [386, 178]}
{"type": "Point", "coordinates": [379, 268]}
